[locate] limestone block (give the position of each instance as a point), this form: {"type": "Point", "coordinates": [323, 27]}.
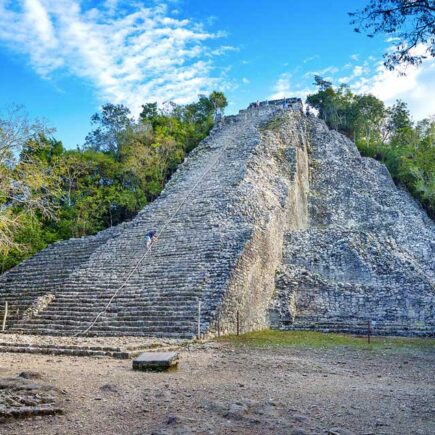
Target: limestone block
{"type": "Point", "coordinates": [155, 361]}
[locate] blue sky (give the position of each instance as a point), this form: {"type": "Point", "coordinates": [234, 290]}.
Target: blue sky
{"type": "Point", "coordinates": [62, 59]}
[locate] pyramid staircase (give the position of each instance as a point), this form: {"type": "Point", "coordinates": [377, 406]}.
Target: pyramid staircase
{"type": "Point", "coordinates": [157, 294]}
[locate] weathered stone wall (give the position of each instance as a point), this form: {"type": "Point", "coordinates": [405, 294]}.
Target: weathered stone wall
{"type": "Point", "coordinates": [367, 254]}
{"type": "Point", "coordinates": [275, 189]}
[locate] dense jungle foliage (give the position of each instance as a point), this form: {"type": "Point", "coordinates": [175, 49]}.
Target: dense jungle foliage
{"type": "Point", "coordinates": [385, 133]}
{"type": "Point", "coordinates": [49, 193]}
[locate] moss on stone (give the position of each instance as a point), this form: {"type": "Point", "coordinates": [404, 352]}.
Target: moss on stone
{"type": "Point", "coordinates": [275, 124]}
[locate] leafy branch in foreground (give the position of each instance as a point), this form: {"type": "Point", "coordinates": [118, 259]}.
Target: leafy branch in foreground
{"type": "Point", "coordinates": [410, 23]}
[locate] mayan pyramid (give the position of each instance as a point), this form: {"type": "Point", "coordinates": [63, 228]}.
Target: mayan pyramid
{"type": "Point", "coordinates": [272, 221]}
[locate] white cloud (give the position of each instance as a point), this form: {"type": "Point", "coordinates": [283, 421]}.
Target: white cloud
{"type": "Point", "coordinates": [135, 55]}
{"type": "Point", "coordinates": [211, 20]}
{"type": "Point", "coordinates": [282, 87]}
{"type": "Point", "coordinates": [322, 72]}
{"type": "Point", "coordinates": [36, 16]}
{"type": "Point", "coordinates": [416, 88]}
{"type": "Point", "coordinates": [245, 81]}
{"type": "Point", "coordinates": [357, 71]}
{"type": "Point", "coordinates": [311, 58]}
{"type": "Point", "coordinates": [223, 49]}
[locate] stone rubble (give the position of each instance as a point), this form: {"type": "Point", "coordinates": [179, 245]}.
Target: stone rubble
{"type": "Point", "coordinates": [21, 397]}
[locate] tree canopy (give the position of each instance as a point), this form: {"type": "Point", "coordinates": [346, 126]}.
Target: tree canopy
{"type": "Point", "coordinates": [49, 193]}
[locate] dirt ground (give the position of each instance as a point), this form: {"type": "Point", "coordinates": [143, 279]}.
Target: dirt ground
{"type": "Point", "coordinates": [223, 388]}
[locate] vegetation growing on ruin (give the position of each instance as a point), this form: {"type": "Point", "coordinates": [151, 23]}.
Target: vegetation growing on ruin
{"type": "Point", "coordinates": [385, 133]}
{"type": "Point", "coordinates": [49, 193]}
{"type": "Point", "coordinates": [275, 124]}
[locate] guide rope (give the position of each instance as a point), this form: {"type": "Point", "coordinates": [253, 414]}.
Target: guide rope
{"type": "Point", "coordinates": [158, 233]}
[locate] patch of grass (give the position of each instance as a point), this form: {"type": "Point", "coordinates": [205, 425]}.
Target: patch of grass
{"type": "Point", "coordinates": [311, 339]}
{"type": "Point", "coordinates": [274, 125]}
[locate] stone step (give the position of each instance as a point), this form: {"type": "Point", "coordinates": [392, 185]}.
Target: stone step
{"type": "Point", "coordinates": [63, 346]}
{"type": "Point", "coordinates": [77, 347]}
{"type": "Point", "coordinates": [169, 322]}
{"type": "Point", "coordinates": [113, 332]}
{"type": "Point", "coordinates": [137, 296]}
{"type": "Point", "coordinates": [145, 315]}
{"type": "Point", "coordinates": [119, 309]}
{"type": "Point", "coordinates": [70, 351]}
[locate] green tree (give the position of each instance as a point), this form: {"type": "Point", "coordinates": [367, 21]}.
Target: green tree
{"type": "Point", "coordinates": [400, 126]}
{"type": "Point", "coordinates": [26, 187]}
{"type": "Point", "coordinates": [49, 193]}
{"type": "Point", "coordinates": [218, 100]}
{"type": "Point", "coordinates": [369, 114]}
{"type": "Point", "coordinates": [335, 105]}
{"type": "Point", "coordinates": [110, 123]}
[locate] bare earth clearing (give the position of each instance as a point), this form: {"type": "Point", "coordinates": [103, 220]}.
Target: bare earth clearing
{"type": "Point", "coordinates": [227, 387]}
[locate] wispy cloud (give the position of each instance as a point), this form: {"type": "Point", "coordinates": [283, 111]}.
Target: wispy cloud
{"type": "Point", "coordinates": [282, 87]}
{"type": "Point", "coordinates": [311, 58]}
{"type": "Point", "coordinates": [416, 88]}
{"type": "Point", "coordinates": [369, 76]}
{"type": "Point", "coordinates": [220, 51]}
{"type": "Point", "coordinates": [129, 53]}
{"type": "Point", "coordinates": [322, 72]}
{"type": "Point", "coordinates": [357, 71]}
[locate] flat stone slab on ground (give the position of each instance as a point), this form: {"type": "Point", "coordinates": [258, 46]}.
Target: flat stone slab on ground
{"type": "Point", "coordinates": [155, 361]}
